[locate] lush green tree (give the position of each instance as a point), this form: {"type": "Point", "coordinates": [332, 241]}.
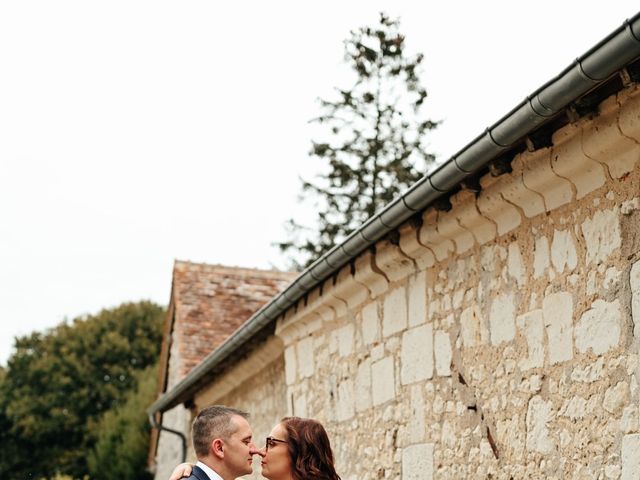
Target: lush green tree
{"type": "Point", "coordinates": [122, 439]}
{"type": "Point", "coordinates": [374, 143]}
{"type": "Point", "coordinates": [58, 383]}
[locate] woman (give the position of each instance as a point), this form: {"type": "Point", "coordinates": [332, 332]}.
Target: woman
{"type": "Point", "coordinates": [296, 449]}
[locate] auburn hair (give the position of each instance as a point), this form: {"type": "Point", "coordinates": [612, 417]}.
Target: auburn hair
{"type": "Point", "coordinates": [309, 449]}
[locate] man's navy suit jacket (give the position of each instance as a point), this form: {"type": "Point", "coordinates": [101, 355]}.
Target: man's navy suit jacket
{"type": "Point", "coordinates": [198, 474]}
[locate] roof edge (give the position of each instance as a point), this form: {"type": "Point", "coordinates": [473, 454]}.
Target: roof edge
{"type": "Point", "coordinates": [593, 68]}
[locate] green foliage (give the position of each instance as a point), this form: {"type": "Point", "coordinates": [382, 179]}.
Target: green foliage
{"type": "Point", "coordinates": [374, 146]}
{"type": "Point", "coordinates": [57, 384]}
{"type": "Point", "coordinates": [122, 443]}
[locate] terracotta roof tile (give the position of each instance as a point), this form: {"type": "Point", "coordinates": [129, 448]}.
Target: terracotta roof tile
{"type": "Point", "coordinates": [212, 301]}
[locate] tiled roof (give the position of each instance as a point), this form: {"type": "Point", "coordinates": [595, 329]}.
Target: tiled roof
{"type": "Point", "coordinates": [211, 301]}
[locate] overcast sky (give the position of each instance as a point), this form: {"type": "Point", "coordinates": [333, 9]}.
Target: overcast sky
{"type": "Point", "coordinates": [133, 133]}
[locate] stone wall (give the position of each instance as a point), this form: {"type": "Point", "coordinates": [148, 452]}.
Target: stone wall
{"type": "Point", "coordinates": [255, 385]}
{"type": "Point", "coordinates": [498, 339]}
{"type": "Point", "coordinates": [169, 450]}
{"type": "Point", "coordinates": [169, 453]}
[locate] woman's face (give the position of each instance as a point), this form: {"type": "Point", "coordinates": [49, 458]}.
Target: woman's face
{"type": "Point", "coordinates": [276, 464]}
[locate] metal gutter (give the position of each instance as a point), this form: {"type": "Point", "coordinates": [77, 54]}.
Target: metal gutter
{"type": "Point", "coordinates": [598, 64]}
{"type": "Point", "coordinates": [183, 438]}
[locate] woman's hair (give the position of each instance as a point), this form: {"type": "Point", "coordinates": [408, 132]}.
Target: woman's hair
{"type": "Point", "coordinates": [309, 449]}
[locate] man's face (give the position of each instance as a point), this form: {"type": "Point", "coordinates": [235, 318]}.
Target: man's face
{"type": "Point", "coordinates": [239, 448]}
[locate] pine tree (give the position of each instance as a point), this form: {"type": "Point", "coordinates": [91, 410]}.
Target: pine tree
{"type": "Point", "coordinates": [374, 146]}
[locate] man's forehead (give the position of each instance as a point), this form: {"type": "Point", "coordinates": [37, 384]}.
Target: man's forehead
{"type": "Point", "coordinates": [241, 424]}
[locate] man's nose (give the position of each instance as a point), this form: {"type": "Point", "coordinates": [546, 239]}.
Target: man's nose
{"type": "Point", "coordinates": [256, 451]}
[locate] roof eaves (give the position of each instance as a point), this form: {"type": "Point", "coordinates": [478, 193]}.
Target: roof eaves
{"type": "Point", "coordinates": [599, 63]}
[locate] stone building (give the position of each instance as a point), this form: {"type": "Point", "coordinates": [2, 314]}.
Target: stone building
{"type": "Point", "coordinates": [486, 324]}
{"type": "Point", "coordinates": [208, 303]}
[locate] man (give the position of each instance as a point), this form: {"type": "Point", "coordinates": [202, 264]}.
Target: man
{"type": "Point", "coordinates": [223, 442]}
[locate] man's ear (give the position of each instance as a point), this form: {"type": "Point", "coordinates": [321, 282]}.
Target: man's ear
{"type": "Point", "coordinates": [217, 447]}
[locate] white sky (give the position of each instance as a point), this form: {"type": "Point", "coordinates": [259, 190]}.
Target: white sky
{"type": "Point", "coordinates": [133, 133]}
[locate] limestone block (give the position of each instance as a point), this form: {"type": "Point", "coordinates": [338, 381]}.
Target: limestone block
{"type": "Point", "coordinates": [363, 386]}
{"type": "Point", "coordinates": [429, 236]}
{"type": "Point", "coordinates": [290, 369]}
{"type": "Point", "coordinates": [351, 292]}
{"type": "Point", "coordinates": [458, 272]}
{"type": "Point", "coordinates": [416, 354]}
{"type": "Point", "coordinates": [569, 161]}
{"type": "Point", "coordinates": [390, 260]}
{"type": "Point", "coordinates": [599, 327]}
{"type": "Point", "coordinates": [442, 350]}
{"type": "Point", "coordinates": [375, 281]}
{"type": "Point", "coordinates": [557, 311]}
{"type": "Point", "coordinates": [502, 318]}
{"type": "Point", "coordinates": [346, 340]}
{"type": "Point", "coordinates": [491, 204]}
{"type": "Point", "coordinates": [540, 177]}
{"type": "Point", "coordinates": [377, 352]}
{"type": "Point", "coordinates": [532, 326]}
{"type": "Point", "coordinates": [304, 350]}
{"type": "Point", "coordinates": [491, 260]}
{"type": "Point", "coordinates": [417, 462]}
{"type": "Point", "coordinates": [370, 323]}
{"type": "Point", "coordinates": [471, 327]}
{"type": "Point", "coordinates": [383, 384]}
{"type": "Point", "coordinates": [418, 299]}
{"type": "Point", "coordinates": [563, 251]}
{"type": "Point", "coordinates": [345, 408]}
{"type": "Point", "coordinates": [630, 457]}
{"type": "Point", "coordinates": [602, 235]}
{"type": "Point", "coordinates": [515, 191]}
{"type": "Point", "coordinates": [574, 408]}
{"type": "Point", "coordinates": [510, 434]}
{"type": "Point", "coordinates": [603, 140]}
{"type": "Point", "coordinates": [611, 277]}
{"type": "Point", "coordinates": [612, 471]}
{"type": "Point", "coordinates": [540, 257]}
{"type": "Point", "coordinates": [416, 429]}
{"type": "Point", "coordinates": [515, 265]}
{"type": "Point", "coordinates": [467, 214]}
{"type": "Point", "coordinates": [538, 415]}
{"type": "Point", "coordinates": [412, 248]}
{"type": "Point", "coordinates": [299, 402]}
{"type": "Point", "coordinates": [634, 280]}
{"type": "Point", "coordinates": [333, 341]}
{"type": "Point", "coordinates": [590, 373]}
{"type": "Point", "coordinates": [449, 227]}
{"type": "Point", "coordinates": [616, 398]}
{"type": "Point", "coordinates": [629, 206]}
{"type": "Point", "coordinates": [458, 296]}
{"type": "Point", "coordinates": [394, 312]}
{"type": "Point", "coordinates": [629, 421]}
{"type": "Point", "coordinates": [448, 435]}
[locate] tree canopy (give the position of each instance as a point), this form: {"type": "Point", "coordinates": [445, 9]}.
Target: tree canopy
{"type": "Point", "coordinates": [122, 441]}
{"type": "Point", "coordinates": [373, 146]}
{"type": "Point", "coordinates": [58, 384]}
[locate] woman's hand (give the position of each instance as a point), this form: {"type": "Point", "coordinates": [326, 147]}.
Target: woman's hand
{"type": "Point", "coordinates": [182, 470]}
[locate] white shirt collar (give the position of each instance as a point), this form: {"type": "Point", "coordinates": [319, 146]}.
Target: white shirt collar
{"type": "Point", "coordinates": [210, 473]}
